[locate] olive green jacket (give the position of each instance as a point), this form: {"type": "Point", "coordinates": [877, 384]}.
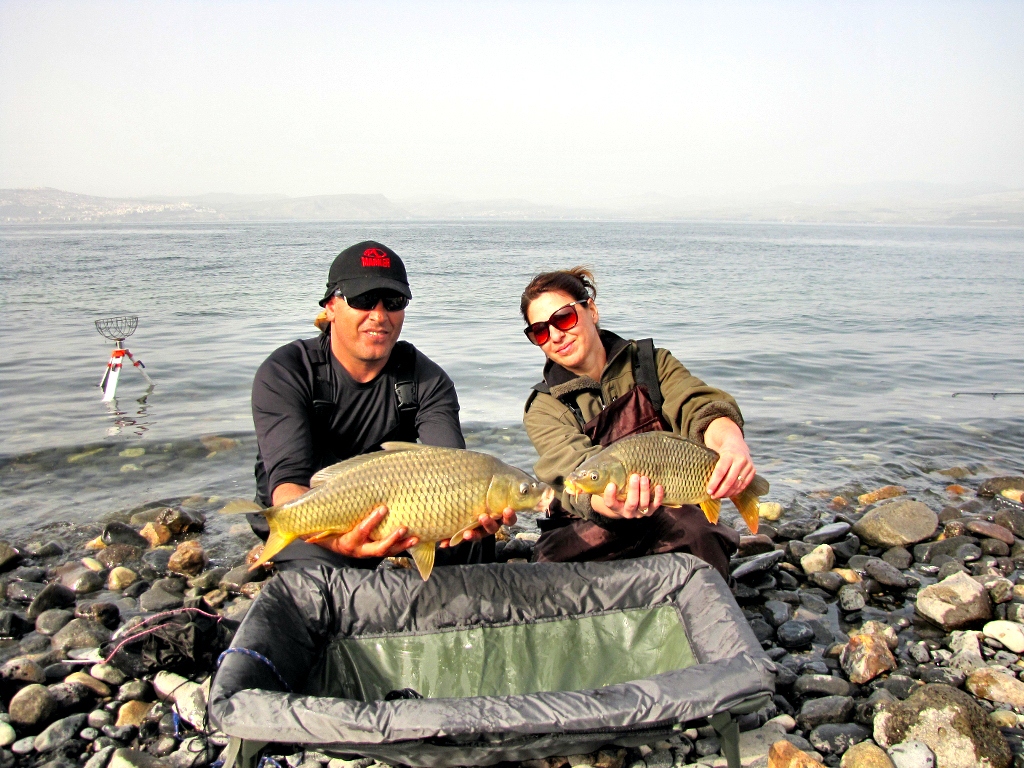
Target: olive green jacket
{"type": "Point", "coordinates": [689, 407]}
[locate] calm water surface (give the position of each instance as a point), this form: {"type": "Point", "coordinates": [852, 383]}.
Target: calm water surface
{"type": "Point", "coordinates": [842, 344]}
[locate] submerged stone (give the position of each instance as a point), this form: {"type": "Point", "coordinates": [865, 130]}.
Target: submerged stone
{"type": "Point", "coordinates": [897, 524]}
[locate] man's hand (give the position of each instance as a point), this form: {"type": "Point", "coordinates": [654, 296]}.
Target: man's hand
{"type": "Point", "coordinates": [641, 500]}
{"type": "Point", "coordinates": [488, 527]}
{"type": "Point", "coordinates": [356, 543]}
{"type": "Point", "coordinates": [734, 470]}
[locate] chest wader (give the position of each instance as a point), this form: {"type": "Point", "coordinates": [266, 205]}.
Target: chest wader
{"type": "Point", "coordinates": [565, 538]}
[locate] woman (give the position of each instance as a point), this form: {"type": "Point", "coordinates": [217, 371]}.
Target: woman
{"type": "Point", "coordinates": [598, 388]}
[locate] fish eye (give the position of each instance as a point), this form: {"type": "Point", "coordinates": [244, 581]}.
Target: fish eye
{"type": "Point", "coordinates": [524, 488]}
{"type": "Point", "coordinates": [593, 474]}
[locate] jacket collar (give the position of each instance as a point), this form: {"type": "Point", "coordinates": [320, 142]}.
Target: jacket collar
{"type": "Point", "coordinates": [563, 381]}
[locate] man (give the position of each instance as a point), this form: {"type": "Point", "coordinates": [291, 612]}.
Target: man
{"type": "Point", "coordinates": [319, 401]}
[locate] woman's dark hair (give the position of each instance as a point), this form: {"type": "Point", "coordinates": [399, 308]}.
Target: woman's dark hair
{"type": "Point", "coordinates": [578, 282]}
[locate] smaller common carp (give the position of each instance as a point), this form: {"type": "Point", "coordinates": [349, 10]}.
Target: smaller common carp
{"type": "Point", "coordinates": [681, 466]}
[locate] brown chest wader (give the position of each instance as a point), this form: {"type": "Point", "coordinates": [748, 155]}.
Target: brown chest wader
{"type": "Point", "coordinates": [565, 538]}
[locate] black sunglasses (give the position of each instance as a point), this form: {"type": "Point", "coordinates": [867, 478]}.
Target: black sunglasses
{"type": "Point", "coordinates": [364, 302]}
{"type": "Point", "coordinates": [563, 318]}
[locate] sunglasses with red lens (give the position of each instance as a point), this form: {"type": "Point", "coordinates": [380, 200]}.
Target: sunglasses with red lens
{"type": "Point", "coordinates": [563, 318]}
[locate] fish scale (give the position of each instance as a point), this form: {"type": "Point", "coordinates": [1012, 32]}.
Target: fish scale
{"type": "Point", "coordinates": [435, 493]}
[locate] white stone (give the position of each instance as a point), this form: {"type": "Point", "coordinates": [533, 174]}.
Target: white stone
{"type": "Point", "coordinates": [819, 559]}
{"type": "Point", "coordinates": [1008, 633]}
{"type": "Point", "coordinates": [787, 722]}
{"type": "Point", "coordinates": [7, 735]}
{"type": "Point", "coordinates": [967, 647]}
{"type": "Point", "coordinates": [954, 602]}
{"type": "Point", "coordinates": [912, 754]}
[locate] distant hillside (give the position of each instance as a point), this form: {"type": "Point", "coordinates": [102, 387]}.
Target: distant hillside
{"type": "Point", "coordinates": [857, 204]}
{"type": "Point", "coordinates": [53, 205]}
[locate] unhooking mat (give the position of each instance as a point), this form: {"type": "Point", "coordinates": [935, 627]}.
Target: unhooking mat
{"type": "Point", "coordinates": [487, 663]}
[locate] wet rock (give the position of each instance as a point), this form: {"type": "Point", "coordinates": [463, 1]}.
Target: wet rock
{"type": "Point", "coordinates": [22, 670]}
{"type": "Point", "coordinates": [769, 510]}
{"type": "Point", "coordinates": [851, 598]}
{"type": "Point", "coordinates": [828, 533]}
{"type": "Point", "coordinates": [252, 589]}
{"type": "Point", "coordinates": [1012, 519]}
{"type": "Point", "coordinates": [157, 559]}
{"type": "Point", "coordinates": [7, 735]}
{"type": "Point", "coordinates": [52, 596]}
{"type": "Point", "coordinates": [189, 558]}
{"type": "Point", "coordinates": [236, 578]}
{"type": "Point", "coordinates": [134, 758]}
{"type": "Point", "coordinates": [912, 754]}
{"type": "Point", "coordinates": [991, 531]}
{"type": "Point", "coordinates": [754, 545]}
{"type": "Point", "coordinates": [836, 738]}
{"type": "Point", "coordinates": [846, 548]}
{"type": "Point", "coordinates": [59, 732]}
{"type": "Point", "coordinates": [865, 657]}
{"type": "Point", "coordinates": [32, 705]}
{"type": "Point", "coordinates": [954, 602]}
{"type": "Point", "coordinates": [866, 755]}
{"type": "Point", "coordinates": [119, 533]}
{"type": "Point", "coordinates": [52, 621]}
{"type": "Point", "coordinates": [237, 610]}
{"type": "Point", "coordinates": [887, 633]}
{"type": "Point", "coordinates": [108, 674]}
{"type": "Point", "coordinates": [99, 717]}
{"type": "Point", "coordinates": [949, 721]}
{"type": "Point", "coordinates": [783, 754]}
{"type": "Point", "coordinates": [994, 685]}
{"type": "Point", "coordinates": [898, 558]}
{"type": "Point", "coordinates": [897, 524]}
{"type": "Point", "coordinates": [995, 485]}
{"type": "Point", "coordinates": [156, 600]}
{"type": "Point", "coordinates": [827, 709]}
{"type": "Point", "coordinates": [797, 529]}
{"type": "Point", "coordinates": [69, 696]}
{"type": "Point", "coordinates": [794, 634]}
{"type": "Point", "coordinates": [101, 758]}
{"type": "Point", "coordinates": [821, 685]}
{"type": "Point", "coordinates": [119, 554]}
{"type": "Point", "coordinates": [80, 579]}
{"type": "Point", "coordinates": [155, 534]}
{"type": "Point", "coordinates": [120, 578]}
{"type": "Point", "coordinates": [880, 494]}
{"type": "Point", "coordinates": [98, 687]}
{"type": "Point", "coordinates": [192, 753]}
{"type": "Point", "coordinates": [24, 746]}
{"type": "Point", "coordinates": [13, 624]}
{"type": "Point", "coordinates": [179, 521]}
{"type": "Point", "coordinates": [133, 713]}
{"type": "Point", "coordinates": [758, 564]}
{"type": "Point", "coordinates": [210, 579]}
{"type": "Point", "coordinates": [9, 556]}
{"type": "Point", "coordinates": [942, 675]}
{"type": "Point", "coordinates": [886, 574]}
{"type": "Point", "coordinates": [821, 558]}
{"type": "Point", "coordinates": [777, 612]}
{"type": "Point", "coordinates": [827, 580]}
{"type": "Point", "coordinates": [81, 633]}
{"type": "Point", "coordinates": [900, 686]}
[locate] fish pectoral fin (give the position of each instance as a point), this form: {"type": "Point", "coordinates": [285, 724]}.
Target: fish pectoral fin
{"type": "Point", "coordinates": [240, 507]}
{"type": "Point", "coordinates": [323, 535]}
{"type": "Point", "coordinates": [423, 556]}
{"type": "Point", "coordinates": [672, 506]}
{"type": "Point", "coordinates": [459, 535]}
{"type": "Point", "coordinates": [711, 509]}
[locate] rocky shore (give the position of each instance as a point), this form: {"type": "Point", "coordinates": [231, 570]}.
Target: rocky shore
{"type": "Point", "coordinates": [897, 631]}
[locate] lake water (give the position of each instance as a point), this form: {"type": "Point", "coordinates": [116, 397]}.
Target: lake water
{"type": "Point", "coordinates": [842, 344]}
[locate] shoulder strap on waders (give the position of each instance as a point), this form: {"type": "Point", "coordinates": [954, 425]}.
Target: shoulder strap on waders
{"type": "Point", "coordinates": [405, 388]}
{"type": "Point", "coordinates": [646, 372]}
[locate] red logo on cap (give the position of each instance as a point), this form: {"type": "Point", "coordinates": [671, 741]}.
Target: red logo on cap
{"type": "Point", "coordinates": [375, 257]}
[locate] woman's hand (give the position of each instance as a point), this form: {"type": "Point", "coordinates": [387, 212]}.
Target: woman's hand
{"type": "Point", "coordinates": [488, 527]}
{"type": "Point", "coordinates": [734, 470]}
{"type": "Point", "coordinates": [641, 500]}
{"type": "Point", "coordinates": [357, 543]}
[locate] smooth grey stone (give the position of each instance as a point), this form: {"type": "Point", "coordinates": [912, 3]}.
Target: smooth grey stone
{"type": "Point", "coordinates": [827, 580]}
{"type": "Point", "coordinates": [68, 696]}
{"type": "Point", "coordinates": [9, 556]}
{"type": "Point", "coordinates": [851, 598]}
{"type": "Point", "coordinates": [163, 746]}
{"type": "Point", "coordinates": [967, 552]}
{"type": "Point", "coordinates": [135, 690]}
{"type": "Point", "coordinates": [157, 600]}
{"type": "Point", "coordinates": [758, 564]}
{"type": "Point", "coordinates": [898, 558]}
{"type": "Point", "coordinates": [119, 533]}
{"type": "Point", "coordinates": [24, 591]}
{"type": "Point", "coordinates": [814, 667]}
{"type": "Point", "coordinates": [950, 567]}
{"type": "Point", "coordinates": [994, 547]}
{"type": "Point", "coordinates": [33, 642]}
{"type": "Point", "coordinates": [660, 758]}
{"type": "Point", "coordinates": [860, 562]}
{"type": "Point", "coordinates": [847, 548]}
{"type": "Point", "coordinates": [101, 758]}
{"type": "Point", "coordinates": [900, 686]}
{"type": "Point", "coordinates": [886, 574]}
{"type": "Point", "coordinates": [119, 554]}
{"type": "Point", "coordinates": [763, 631]}
{"type": "Point", "coordinates": [28, 573]}
{"type": "Point", "coordinates": [785, 595]}
{"type": "Point", "coordinates": [919, 652]}
{"type": "Point", "coordinates": [797, 549]}
{"type": "Point", "coordinates": [105, 741]}
{"type": "Point", "coordinates": [239, 576]}
{"type": "Point", "coordinates": [32, 705]}
{"type": "Point", "coordinates": [813, 602]}
{"type": "Point", "coordinates": [81, 633]}
{"type": "Point", "coordinates": [58, 732]}
{"type": "Point", "coordinates": [822, 685]}
{"type": "Point", "coordinates": [836, 738]}
{"type": "Point", "coordinates": [787, 581]}
{"type": "Point", "coordinates": [925, 553]}
{"type": "Point", "coordinates": [51, 621]}
{"type": "Point", "coordinates": [89, 734]}
{"type": "Point", "coordinates": [777, 613]}
{"type": "Point", "coordinates": [100, 717]}
{"type": "Point", "coordinates": [52, 596]}
{"type": "Point", "coordinates": [136, 588]}
{"type": "Point", "coordinates": [124, 733]}
{"type": "Point", "coordinates": [828, 709]}
{"type": "Point", "coordinates": [828, 533]}
{"type": "Point", "coordinates": [105, 613]}
{"type": "Point", "coordinates": [709, 746]}
{"type": "Point", "coordinates": [43, 549]}
{"type": "Point", "coordinates": [13, 624]}
{"type": "Point", "coordinates": [173, 584]}
{"type": "Point", "coordinates": [158, 558]}
{"type": "Point", "coordinates": [210, 579]}
{"type": "Point", "coordinates": [797, 529]}
{"type": "Point", "coordinates": [944, 675]}
{"type": "Point", "coordinates": [794, 634]}
{"type": "Point", "coordinates": [83, 581]}
{"type": "Point", "coordinates": [24, 746]}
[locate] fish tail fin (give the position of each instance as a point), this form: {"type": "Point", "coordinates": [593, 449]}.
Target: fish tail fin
{"type": "Point", "coordinates": [747, 501]}
{"type": "Point", "coordinates": [423, 556]}
{"type": "Point", "coordinates": [240, 506]}
{"type": "Point", "coordinates": [711, 509]}
{"type": "Point", "coordinates": [276, 541]}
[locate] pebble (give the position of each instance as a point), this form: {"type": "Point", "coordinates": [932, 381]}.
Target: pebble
{"type": "Point", "coordinates": [866, 755]}
{"type": "Point", "coordinates": [31, 705]}
{"type": "Point", "coordinates": [795, 634]}
{"type": "Point", "coordinates": [821, 558]}
{"type": "Point", "coordinates": [7, 735]}
{"type": "Point", "coordinates": [59, 732]}
{"type": "Point", "coordinates": [912, 754]}
{"type": "Point", "coordinates": [828, 534]}
{"type": "Point", "coordinates": [954, 602]}
{"type": "Point", "coordinates": [188, 558]}
{"type": "Point", "coordinates": [897, 524]}
{"type": "Point", "coordinates": [24, 746]}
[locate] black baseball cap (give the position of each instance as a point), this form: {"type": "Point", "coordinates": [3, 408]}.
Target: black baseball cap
{"type": "Point", "coordinates": [367, 266]}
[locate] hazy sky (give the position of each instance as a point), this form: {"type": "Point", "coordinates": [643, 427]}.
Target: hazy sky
{"type": "Point", "coordinates": [551, 101]}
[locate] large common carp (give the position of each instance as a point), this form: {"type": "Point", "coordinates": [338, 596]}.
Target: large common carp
{"type": "Point", "coordinates": [437, 493]}
{"type": "Point", "coordinates": [681, 466]}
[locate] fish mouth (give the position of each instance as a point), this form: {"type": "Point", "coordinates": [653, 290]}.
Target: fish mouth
{"type": "Point", "coordinates": [546, 497]}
